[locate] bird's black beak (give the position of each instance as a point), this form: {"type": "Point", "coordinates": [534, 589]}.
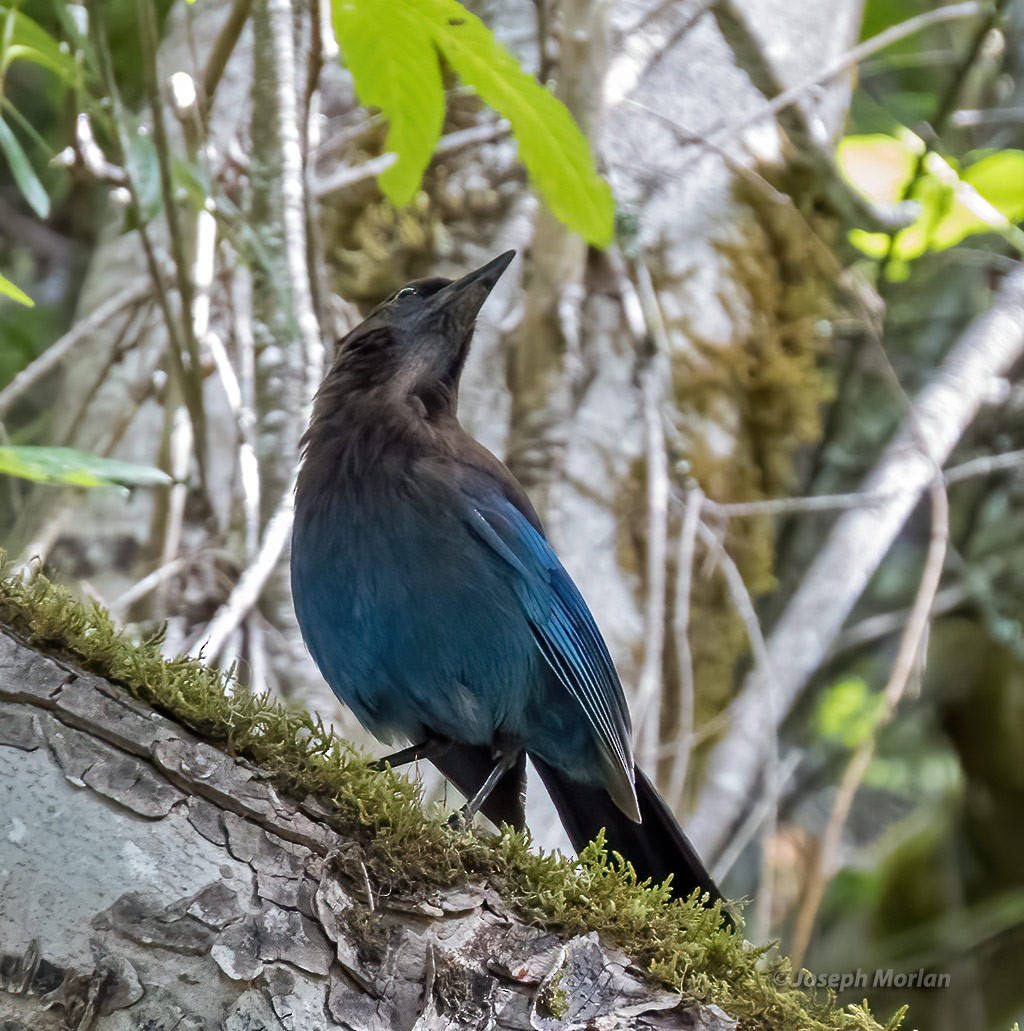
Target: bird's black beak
{"type": "Point", "coordinates": [463, 299]}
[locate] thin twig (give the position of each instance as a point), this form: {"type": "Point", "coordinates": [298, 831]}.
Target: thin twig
{"type": "Point", "coordinates": [754, 821]}
{"type": "Point", "coordinates": [641, 318]}
{"type": "Point", "coordinates": [293, 198]}
{"type": "Point", "coordinates": [984, 465]}
{"type": "Point", "coordinates": [84, 328]}
{"type": "Point", "coordinates": [788, 506]}
{"type": "Point", "coordinates": [842, 63]}
{"type": "Point", "coordinates": [346, 177]}
{"type": "Point", "coordinates": [907, 659]}
{"type": "Point", "coordinates": [763, 663]}
{"type": "Point", "coordinates": [250, 584]}
{"type": "Point", "coordinates": [248, 463]}
{"type": "Point", "coordinates": [150, 582]}
{"type": "Point", "coordinates": [681, 635]}
{"type": "Point", "coordinates": [221, 51]}
{"type": "Point", "coordinates": [653, 376]}
{"type": "Point", "coordinates": [192, 371]}
{"type": "Point", "coordinates": [872, 628]}
{"type": "Point", "coordinates": [127, 337]}
{"type": "Point", "coordinates": [179, 452]}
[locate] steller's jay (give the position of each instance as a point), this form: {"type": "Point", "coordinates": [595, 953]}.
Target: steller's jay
{"type": "Point", "coordinates": [434, 605]}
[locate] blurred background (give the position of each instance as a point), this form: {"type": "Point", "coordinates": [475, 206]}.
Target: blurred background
{"type": "Point", "coordinates": [774, 428]}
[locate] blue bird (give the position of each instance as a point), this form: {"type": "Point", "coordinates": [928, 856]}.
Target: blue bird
{"type": "Point", "coordinates": [434, 605]}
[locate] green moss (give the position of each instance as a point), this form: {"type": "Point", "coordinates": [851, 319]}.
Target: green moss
{"type": "Point", "coordinates": [764, 387]}
{"type": "Point", "coordinates": [553, 998]}
{"type": "Point", "coordinates": [684, 944]}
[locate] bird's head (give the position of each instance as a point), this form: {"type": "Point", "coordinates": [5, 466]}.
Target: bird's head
{"type": "Point", "coordinates": [415, 342]}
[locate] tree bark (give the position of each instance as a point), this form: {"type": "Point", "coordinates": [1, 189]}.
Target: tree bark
{"type": "Point", "coordinates": [151, 880]}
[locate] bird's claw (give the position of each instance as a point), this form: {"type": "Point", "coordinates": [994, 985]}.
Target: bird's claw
{"type": "Point", "coordinates": [459, 820]}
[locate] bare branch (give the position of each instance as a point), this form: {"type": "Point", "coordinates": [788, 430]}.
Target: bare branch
{"type": "Point", "coordinates": [653, 376]}
{"type": "Point", "coordinates": [250, 584]}
{"type": "Point", "coordinates": [223, 48]}
{"type": "Point", "coordinates": [681, 635]}
{"type": "Point", "coordinates": [192, 372]}
{"type": "Point", "coordinates": [134, 293]}
{"type": "Point", "coordinates": [852, 57]}
{"type": "Point", "coordinates": [293, 195]}
{"type": "Point", "coordinates": [766, 679]}
{"type": "Point", "coordinates": [906, 659]}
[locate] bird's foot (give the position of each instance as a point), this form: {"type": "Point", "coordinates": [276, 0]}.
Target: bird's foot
{"type": "Point", "coordinates": [461, 819]}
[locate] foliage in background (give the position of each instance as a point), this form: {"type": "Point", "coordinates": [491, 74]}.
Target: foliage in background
{"type": "Point", "coordinates": [949, 202]}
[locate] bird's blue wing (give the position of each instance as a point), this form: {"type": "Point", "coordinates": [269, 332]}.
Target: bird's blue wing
{"type": "Point", "coordinates": [563, 627]}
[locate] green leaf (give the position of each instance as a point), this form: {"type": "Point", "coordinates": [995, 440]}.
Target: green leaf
{"type": "Point", "coordinates": [555, 152]}
{"type": "Point", "coordinates": [22, 172]}
{"type": "Point", "coordinates": [849, 712]}
{"type": "Point", "coordinates": [394, 67]}
{"type": "Point", "coordinates": [194, 180]}
{"type": "Point", "coordinates": [999, 178]}
{"type": "Point", "coordinates": [8, 289]}
{"type": "Point", "coordinates": [28, 41]}
{"type": "Point", "coordinates": [76, 468]}
{"type": "Point", "coordinates": [878, 166]}
{"type": "Point", "coordinates": [391, 50]}
{"type": "Point", "coordinates": [988, 196]}
{"type": "Point", "coordinates": [144, 167]}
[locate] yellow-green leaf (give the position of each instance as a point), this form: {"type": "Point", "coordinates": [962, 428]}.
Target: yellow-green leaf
{"type": "Point", "coordinates": [848, 712]}
{"type": "Point", "coordinates": [76, 468]}
{"type": "Point", "coordinates": [394, 67]}
{"type": "Point", "coordinates": [555, 152]}
{"type": "Point", "coordinates": [8, 289]}
{"type": "Point", "coordinates": [392, 51]}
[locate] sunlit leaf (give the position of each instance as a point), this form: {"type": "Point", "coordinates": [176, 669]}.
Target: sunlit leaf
{"type": "Point", "coordinates": [8, 289]}
{"type": "Point", "coordinates": [22, 172]}
{"type": "Point", "coordinates": [848, 712]}
{"type": "Point", "coordinates": [76, 468]}
{"type": "Point", "coordinates": [999, 178]}
{"type": "Point", "coordinates": [879, 166]}
{"type": "Point", "coordinates": [555, 152]}
{"type": "Point", "coordinates": [987, 196]}
{"type": "Point", "coordinates": [394, 67]}
{"type": "Point", "coordinates": [392, 51]}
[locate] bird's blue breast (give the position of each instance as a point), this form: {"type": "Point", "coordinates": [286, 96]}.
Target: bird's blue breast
{"type": "Point", "coordinates": [414, 624]}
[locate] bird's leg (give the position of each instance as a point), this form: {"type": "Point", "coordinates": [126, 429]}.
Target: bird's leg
{"type": "Point", "coordinates": [505, 761]}
{"type": "Point", "coordinates": [427, 749]}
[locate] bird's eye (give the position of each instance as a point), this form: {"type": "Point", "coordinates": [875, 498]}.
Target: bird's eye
{"type": "Point", "coordinates": [406, 291]}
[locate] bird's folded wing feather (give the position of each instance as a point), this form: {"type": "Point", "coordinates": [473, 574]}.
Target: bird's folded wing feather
{"type": "Point", "coordinates": [563, 627]}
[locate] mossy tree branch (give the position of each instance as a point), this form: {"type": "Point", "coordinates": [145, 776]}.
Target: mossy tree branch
{"type": "Point", "coordinates": [154, 873]}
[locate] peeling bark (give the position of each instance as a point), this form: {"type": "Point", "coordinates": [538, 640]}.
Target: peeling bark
{"type": "Point", "coordinates": [151, 880]}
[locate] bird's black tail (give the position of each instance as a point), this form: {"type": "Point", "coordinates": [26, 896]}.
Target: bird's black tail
{"type": "Point", "coordinates": [656, 847]}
